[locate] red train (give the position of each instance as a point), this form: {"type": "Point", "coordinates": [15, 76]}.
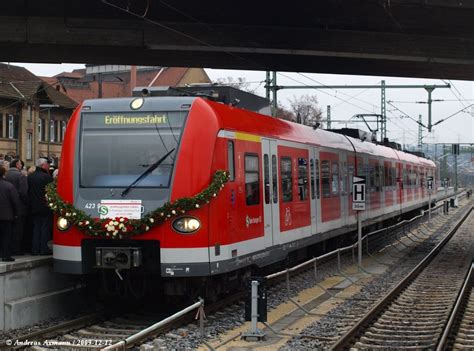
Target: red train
{"type": "Point", "coordinates": [137, 190]}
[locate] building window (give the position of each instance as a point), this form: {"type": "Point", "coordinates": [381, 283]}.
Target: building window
{"type": "Point", "coordinates": [230, 159]}
{"type": "Point", "coordinates": [286, 179]}
{"type": "Point", "coordinates": [11, 127]}
{"type": "Point", "coordinates": [252, 181]}
{"type": "Point", "coordinates": [30, 113]}
{"type": "Point", "coordinates": [41, 130]}
{"type": "Point", "coordinates": [29, 146]}
{"type": "Point", "coordinates": [63, 130]}
{"type": "Point", "coordinates": [303, 178]}
{"type": "Point", "coordinates": [52, 135]}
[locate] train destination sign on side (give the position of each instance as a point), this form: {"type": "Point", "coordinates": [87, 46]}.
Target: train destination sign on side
{"type": "Point", "coordinates": [358, 193]}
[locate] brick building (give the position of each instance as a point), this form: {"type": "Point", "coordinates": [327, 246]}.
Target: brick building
{"type": "Point", "coordinates": [33, 116]}
{"type": "Point", "coordinates": [109, 81]}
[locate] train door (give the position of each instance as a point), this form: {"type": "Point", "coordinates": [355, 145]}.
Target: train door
{"type": "Point", "coordinates": [270, 184]}
{"type": "Point", "coordinates": [315, 190]}
{"type": "Point", "coordinates": [343, 186]}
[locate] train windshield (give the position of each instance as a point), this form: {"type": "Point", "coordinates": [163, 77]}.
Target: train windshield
{"type": "Point", "coordinates": [117, 148]}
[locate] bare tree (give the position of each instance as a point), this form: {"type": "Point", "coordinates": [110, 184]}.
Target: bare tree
{"type": "Point", "coordinates": [284, 113]}
{"type": "Point", "coordinates": [306, 109]}
{"type": "Point", "coordinates": [239, 83]}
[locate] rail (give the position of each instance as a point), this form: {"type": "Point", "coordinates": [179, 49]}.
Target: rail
{"type": "Point", "coordinates": [381, 304]}
{"type": "Point", "coordinates": [133, 339]}
{"type": "Point", "coordinates": [443, 341]}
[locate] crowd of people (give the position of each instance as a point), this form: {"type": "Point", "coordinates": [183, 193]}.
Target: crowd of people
{"type": "Point", "coordinates": [25, 218]}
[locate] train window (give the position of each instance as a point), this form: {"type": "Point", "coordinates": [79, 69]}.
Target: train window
{"type": "Point", "coordinates": [350, 174]}
{"type": "Point", "coordinates": [326, 178]}
{"type": "Point", "coordinates": [286, 179]}
{"type": "Point", "coordinates": [303, 178]}
{"type": "Point", "coordinates": [386, 177]}
{"type": "Point", "coordinates": [371, 178]}
{"type": "Point", "coordinates": [343, 178]}
{"type": "Point", "coordinates": [266, 178]}
{"type": "Point", "coordinates": [317, 179]}
{"type": "Point", "coordinates": [230, 160]}
{"type": "Point", "coordinates": [252, 181]}
{"type": "Point", "coordinates": [274, 179]}
{"type": "Point", "coordinates": [311, 164]}
{"type": "Point", "coordinates": [377, 178]}
{"type": "Point", "coordinates": [335, 178]}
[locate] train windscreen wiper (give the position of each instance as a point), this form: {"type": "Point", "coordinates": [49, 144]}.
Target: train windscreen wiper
{"type": "Point", "coordinates": [147, 172]}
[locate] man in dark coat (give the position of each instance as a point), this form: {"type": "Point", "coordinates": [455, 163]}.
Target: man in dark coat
{"type": "Point", "coordinates": [41, 214]}
{"type": "Point", "coordinates": [19, 181]}
{"type": "Point", "coordinates": [9, 209]}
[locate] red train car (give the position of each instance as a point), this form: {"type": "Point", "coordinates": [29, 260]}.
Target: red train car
{"type": "Point", "coordinates": [138, 191]}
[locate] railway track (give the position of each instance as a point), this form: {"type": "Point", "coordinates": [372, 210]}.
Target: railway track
{"type": "Point", "coordinates": [459, 333]}
{"type": "Point", "coordinates": [414, 313]}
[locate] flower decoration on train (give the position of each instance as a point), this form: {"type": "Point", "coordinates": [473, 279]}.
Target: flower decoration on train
{"type": "Point", "coordinates": [122, 227]}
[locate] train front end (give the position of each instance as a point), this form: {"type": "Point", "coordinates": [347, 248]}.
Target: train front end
{"type": "Point", "coordinates": [132, 189]}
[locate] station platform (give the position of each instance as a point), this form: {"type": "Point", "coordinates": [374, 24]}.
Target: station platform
{"type": "Point", "coordinates": [30, 292]}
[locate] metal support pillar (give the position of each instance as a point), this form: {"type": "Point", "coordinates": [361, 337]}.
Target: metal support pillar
{"type": "Point", "coordinates": [274, 91]}
{"type": "Point", "coordinates": [328, 117]}
{"type": "Point", "coordinates": [268, 81]}
{"type": "Point", "coordinates": [429, 90]}
{"type": "Point", "coordinates": [254, 333]}
{"type": "Point", "coordinates": [420, 132]}
{"type": "Point", "coordinates": [383, 112]}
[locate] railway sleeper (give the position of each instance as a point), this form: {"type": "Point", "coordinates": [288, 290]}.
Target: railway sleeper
{"type": "Point", "coordinates": [406, 330]}
{"type": "Point", "coordinates": [363, 346]}
{"type": "Point", "coordinates": [101, 329]}
{"type": "Point", "coordinates": [410, 318]}
{"type": "Point", "coordinates": [390, 343]}
{"type": "Point", "coordinates": [392, 323]}
{"type": "Point", "coordinates": [114, 333]}
{"type": "Point", "coordinates": [400, 336]}
{"type": "Point", "coordinates": [417, 308]}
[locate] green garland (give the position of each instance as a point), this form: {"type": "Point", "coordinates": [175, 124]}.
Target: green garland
{"type": "Point", "coordinates": [120, 227]}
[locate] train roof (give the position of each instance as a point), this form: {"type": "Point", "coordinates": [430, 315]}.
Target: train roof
{"type": "Point", "coordinates": [248, 121]}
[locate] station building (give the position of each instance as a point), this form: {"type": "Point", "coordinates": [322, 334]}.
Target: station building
{"type": "Point", "coordinates": [34, 110]}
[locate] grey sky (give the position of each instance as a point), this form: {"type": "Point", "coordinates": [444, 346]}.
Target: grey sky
{"type": "Point", "coordinates": [347, 102]}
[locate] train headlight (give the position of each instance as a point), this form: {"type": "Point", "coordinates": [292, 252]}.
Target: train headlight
{"type": "Point", "coordinates": [63, 224]}
{"type": "Point", "coordinates": [186, 225]}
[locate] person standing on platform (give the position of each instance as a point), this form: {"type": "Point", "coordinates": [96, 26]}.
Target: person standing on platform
{"type": "Point", "coordinates": [10, 208]}
{"type": "Point", "coordinates": [19, 181]}
{"type": "Point", "coordinates": [41, 214]}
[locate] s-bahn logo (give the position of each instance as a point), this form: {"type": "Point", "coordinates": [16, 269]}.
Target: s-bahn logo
{"type": "Point", "coordinates": [103, 210]}
{"type": "Point", "coordinates": [255, 220]}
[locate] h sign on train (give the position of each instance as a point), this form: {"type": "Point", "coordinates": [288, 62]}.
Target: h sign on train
{"type": "Point", "coordinates": [358, 193]}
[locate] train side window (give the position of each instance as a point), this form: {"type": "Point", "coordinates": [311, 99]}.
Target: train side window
{"type": "Point", "coordinates": [274, 179]}
{"type": "Point", "coordinates": [377, 178]}
{"type": "Point", "coordinates": [326, 178]}
{"type": "Point", "coordinates": [317, 179]}
{"type": "Point", "coordinates": [252, 181]}
{"type": "Point", "coordinates": [303, 178]}
{"type": "Point", "coordinates": [266, 178]}
{"type": "Point", "coordinates": [350, 174]}
{"type": "Point", "coordinates": [311, 165]}
{"type": "Point", "coordinates": [335, 178]}
{"type": "Point", "coordinates": [286, 179]}
{"type": "Point", "coordinates": [230, 160]}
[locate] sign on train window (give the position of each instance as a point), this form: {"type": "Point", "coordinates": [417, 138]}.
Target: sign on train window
{"type": "Point", "coordinates": [286, 179]}
{"type": "Point", "coordinates": [302, 178]}
{"type": "Point", "coordinates": [252, 181]}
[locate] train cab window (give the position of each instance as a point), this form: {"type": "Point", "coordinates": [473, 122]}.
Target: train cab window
{"type": "Point", "coordinates": [286, 179]}
{"type": "Point", "coordinates": [266, 178]}
{"type": "Point", "coordinates": [230, 160]}
{"type": "Point", "coordinates": [317, 179]}
{"type": "Point", "coordinates": [274, 179]}
{"type": "Point", "coordinates": [326, 178]}
{"type": "Point", "coordinates": [303, 179]}
{"type": "Point", "coordinates": [335, 178]}
{"type": "Point", "coordinates": [311, 165]}
{"type": "Point", "coordinates": [252, 181]}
